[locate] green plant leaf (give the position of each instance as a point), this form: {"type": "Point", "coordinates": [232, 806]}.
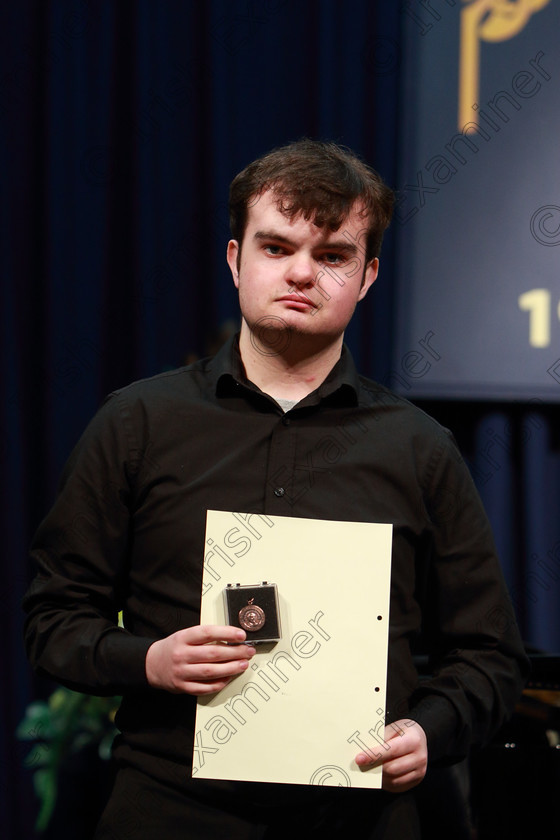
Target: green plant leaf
{"type": "Point", "coordinates": [36, 724]}
{"type": "Point", "coordinates": [40, 756]}
{"type": "Point", "coordinates": [67, 723]}
{"type": "Point", "coordinates": [45, 784]}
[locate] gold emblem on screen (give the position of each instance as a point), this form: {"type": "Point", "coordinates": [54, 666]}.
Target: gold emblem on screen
{"type": "Point", "coordinates": [486, 20]}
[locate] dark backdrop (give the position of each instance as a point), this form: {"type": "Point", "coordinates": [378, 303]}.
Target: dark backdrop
{"type": "Point", "coordinates": [123, 124]}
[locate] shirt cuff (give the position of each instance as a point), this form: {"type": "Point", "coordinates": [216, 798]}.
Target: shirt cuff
{"type": "Point", "coordinates": [440, 721]}
{"type": "Point", "coordinates": [122, 660]}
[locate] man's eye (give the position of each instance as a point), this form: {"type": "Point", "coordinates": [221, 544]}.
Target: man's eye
{"type": "Point", "coordinates": [333, 259]}
{"type": "Point", "coordinates": [274, 250]}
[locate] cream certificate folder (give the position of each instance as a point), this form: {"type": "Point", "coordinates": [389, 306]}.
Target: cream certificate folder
{"type": "Point", "coordinates": [310, 702]}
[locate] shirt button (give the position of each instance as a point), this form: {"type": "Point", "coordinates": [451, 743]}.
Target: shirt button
{"type": "Point", "coordinates": [286, 420]}
{"type": "Point", "coordinates": [279, 491]}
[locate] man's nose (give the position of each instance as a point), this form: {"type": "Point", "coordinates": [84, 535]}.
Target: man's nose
{"type": "Point", "coordinates": [301, 270]}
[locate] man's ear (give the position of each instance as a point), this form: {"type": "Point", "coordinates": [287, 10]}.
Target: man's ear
{"type": "Point", "coordinates": [233, 260]}
{"type": "Point", "coordinates": [370, 276]}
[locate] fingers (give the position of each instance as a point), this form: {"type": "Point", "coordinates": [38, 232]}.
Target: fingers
{"type": "Point", "coordinates": [393, 747]}
{"type": "Point", "coordinates": [215, 652]}
{"type": "Point", "coordinates": [405, 770]}
{"type": "Point", "coordinates": [203, 634]}
{"type": "Point", "coordinates": [400, 784]}
{"type": "Point", "coordinates": [204, 664]}
{"type": "Point", "coordinates": [198, 660]}
{"type": "Point", "coordinates": [207, 680]}
{"type": "Point", "coordinates": [403, 773]}
{"type": "Point", "coordinates": [403, 755]}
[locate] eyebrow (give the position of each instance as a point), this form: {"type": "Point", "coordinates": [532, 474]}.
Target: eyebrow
{"type": "Point", "coordinates": [342, 245]}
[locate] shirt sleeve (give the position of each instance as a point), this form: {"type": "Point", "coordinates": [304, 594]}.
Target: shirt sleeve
{"type": "Point", "coordinates": [478, 662]}
{"type": "Point", "coordinates": [81, 552]}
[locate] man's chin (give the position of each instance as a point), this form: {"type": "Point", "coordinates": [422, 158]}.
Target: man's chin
{"type": "Point", "coordinates": [271, 335]}
{"type": "Point", "coordinates": [274, 335]}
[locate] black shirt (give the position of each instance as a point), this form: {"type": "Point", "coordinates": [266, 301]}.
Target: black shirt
{"type": "Point", "coordinates": [127, 532]}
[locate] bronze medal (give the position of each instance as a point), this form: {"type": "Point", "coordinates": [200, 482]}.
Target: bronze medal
{"type": "Point", "coordinates": [251, 617]}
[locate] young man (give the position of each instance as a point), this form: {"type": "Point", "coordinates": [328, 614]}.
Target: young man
{"type": "Point", "coordinates": [246, 431]}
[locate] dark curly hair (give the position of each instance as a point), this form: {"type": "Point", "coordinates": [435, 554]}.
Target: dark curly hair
{"type": "Point", "coordinates": [319, 180]}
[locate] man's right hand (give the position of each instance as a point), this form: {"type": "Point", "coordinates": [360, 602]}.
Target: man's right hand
{"type": "Point", "coordinates": [198, 660]}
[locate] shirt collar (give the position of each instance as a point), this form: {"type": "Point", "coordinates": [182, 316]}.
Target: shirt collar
{"type": "Point", "coordinates": [341, 387]}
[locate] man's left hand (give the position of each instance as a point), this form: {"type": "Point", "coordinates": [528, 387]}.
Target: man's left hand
{"type": "Point", "coordinates": [404, 756]}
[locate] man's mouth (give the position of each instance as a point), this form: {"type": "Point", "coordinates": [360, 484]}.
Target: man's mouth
{"type": "Point", "coordinates": [298, 300]}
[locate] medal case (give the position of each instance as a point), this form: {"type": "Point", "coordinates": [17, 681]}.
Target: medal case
{"type": "Point", "coordinates": [254, 608]}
